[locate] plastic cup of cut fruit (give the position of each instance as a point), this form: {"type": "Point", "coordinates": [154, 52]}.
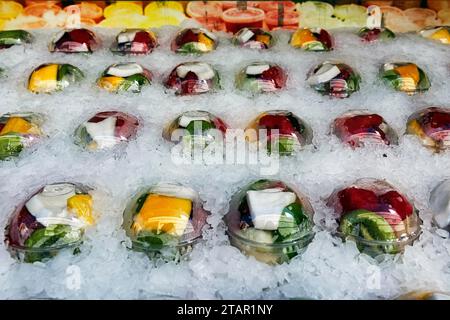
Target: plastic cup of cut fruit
{"type": "Point", "coordinates": [289, 21]}
{"type": "Point", "coordinates": [39, 9]}
{"type": "Point", "coordinates": [235, 19]}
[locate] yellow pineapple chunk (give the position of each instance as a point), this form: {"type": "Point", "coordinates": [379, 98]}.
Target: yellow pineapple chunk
{"type": "Point", "coordinates": [81, 205]}
{"type": "Point", "coordinates": [16, 125]}
{"type": "Point", "coordinates": [110, 83]}
{"type": "Point", "coordinates": [441, 35]}
{"type": "Point", "coordinates": [163, 214]}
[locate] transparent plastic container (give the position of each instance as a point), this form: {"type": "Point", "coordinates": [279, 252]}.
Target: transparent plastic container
{"type": "Point", "coordinates": [378, 218]}
{"type": "Point", "coordinates": [336, 80]}
{"type": "Point", "coordinates": [439, 204]}
{"type": "Point", "coordinates": [9, 38]}
{"type": "Point", "coordinates": [194, 41]}
{"type": "Point", "coordinates": [199, 129]}
{"type": "Point", "coordinates": [238, 18]}
{"type": "Point", "coordinates": [312, 39]}
{"type": "Point", "coordinates": [124, 77]}
{"type": "Point", "coordinates": [106, 130]}
{"type": "Point", "coordinates": [360, 128]}
{"type": "Point", "coordinates": [261, 77]}
{"type": "Point", "coordinates": [440, 34]}
{"type": "Point", "coordinates": [134, 41]}
{"type": "Point", "coordinates": [406, 77]}
{"type": "Point", "coordinates": [19, 131]}
{"type": "Point", "coordinates": [376, 34]}
{"type": "Point", "coordinates": [52, 219]}
{"type": "Point", "coordinates": [165, 220]}
{"type": "Point", "coordinates": [270, 221]}
{"type": "Point", "coordinates": [74, 41]}
{"type": "Point", "coordinates": [191, 78]}
{"type": "Point", "coordinates": [52, 77]}
{"type": "Point", "coordinates": [253, 38]}
{"type": "Point", "coordinates": [292, 132]}
{"type": "Point", "coordinates": [432, 126]}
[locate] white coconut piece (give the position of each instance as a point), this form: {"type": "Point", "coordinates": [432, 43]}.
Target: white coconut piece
{"type": "Point", "coordinates": [256, 69]}
{"type": "Point", "coordinates": [203, 70]}
{"type": "Point", "coordinates": [245, 35]}
{"type": "Point", "coordinates": [126, 36]}
{"type": "Point", "coordinates": [267, 205]}
{"type": "Point", "coordinates": [374, 16]}
{"type": "Point", "coordinates": [103, 132]}
{"type": "Point", "coordinates": [174, 190]}
{"type": "Point", "coordinates": [327, 72]}
{"type": "Point", "coordinates": [125, 70]}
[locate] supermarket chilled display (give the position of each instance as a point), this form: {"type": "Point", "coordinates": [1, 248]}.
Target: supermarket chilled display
{"type": "Point", "coordinates": [343, 114]}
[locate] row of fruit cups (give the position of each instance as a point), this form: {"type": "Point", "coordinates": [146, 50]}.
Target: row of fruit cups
{"type": "Point", "coordinates": [199, 40]}
{"type": "Point", "coordinates": [267, 219]}
{"type": "Point", "coordinates": [277, 132]}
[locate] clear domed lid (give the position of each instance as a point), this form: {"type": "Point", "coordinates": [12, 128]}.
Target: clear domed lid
{"type": "Point", "coordinates": [124, 77]}
{"type": "Point", "coordinates": [192, 78]}
{"type": "Point", "coordinates": [164, 215]}
{"type": "Point", "coordinates": [54, 217]}
{"type": "Point", "coordinates": [314, 39]}
{"type": "Point", "coordinates": [19, 131]}
{"type": "Point", "coordinates": [271, 213]}
{"type": "Point", "coordinates": [106, 130]}
{"type": "Point", "coordinates": [336, 80]}
{"type": "Point", "coordinates": [74, 41]}
{"type": "Point", "coordinates": [194, 41]}
{"type": "Point", "coordinates": [359, 128]}
{"type": "Point", "coordinates": [432, 127]}
{"type": "Point", "coordinates": [286, 133]}
{"type": "Point", "coordinates": [51, 77]}
{"type": "Point", "coordinates": [134, 41]}
{"type": "Point", "coordinates": [375, 34]}
{"type": "Point", "coordinates": [406, 77]}
{"type": "Point", "coordinates": [259, 77]}
{"type": "Point", "coordinates": [199, 128]}
{"type": "Point", "coordinates": [253, 38]}
{"type": "Point", "coordinates": [372, 211]}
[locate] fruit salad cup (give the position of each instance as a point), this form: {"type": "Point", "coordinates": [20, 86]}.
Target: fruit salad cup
{"type": "Point", "coordinates": [9, 38]}
{"type": "Point", "coordinates": [261, 77]}
{"type": "Point", "coordinates": [106, 130]}
{"type": "Point", "coordinates": [165, 220]}
{"type": "Point", "coordinates": [19, 131]}
{"type": "Point", "coordinates": [360, 128]}
{"type": "Point", "coordinates": [424, 295]}
{"type": "Point", "coordinates": [191, 78]}
{"type": "Point", "coordinates": [336, 80]}
{"type": "Point", "coordinates": [286, 133]}
{"type": "Point", "coordinates": [406, 77]}
{"type": "Point", "coordinates": [124, 77]}
{"type": "Point", "coordinates": [432, 126]}
{"type": "Point", "coordinates": [440, 34]}
{"type": "Point", "coordinates": [440, 204]}
{"type": "Point", "coordinates": [52, 77]}
{"type": "Point", "coordinates": [253, 38]}
{"type": "Point", "coordinates": [270, 221]}
{"type": "Point", "coordinates": [53, 219]}
{"type": "Point", "coordinates": [197, 129]}
{"type": "Point", "coordinates": [312, 39]}
{"type": "Point", "coordinates": [375, 34]}
{"type": "Point", "coordinates": [194, 41]}
{"type": "Point", "coordinates": [74, 41]}
{"type": "Point", "coordinates": [237, 18]}
{"type": "Point", "coordinates": [375, 216]}
{"type": "Point", "coordinates": [134, 41]}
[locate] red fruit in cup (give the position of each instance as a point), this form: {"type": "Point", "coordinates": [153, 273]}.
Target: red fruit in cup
{"type": "Point", "coordinates": [398, 203]}
{"type": "Point", "coordinates": [325, 38]}
{"type": "Point", "coordinates": [275, 74]}
{"type": "Point", "coordinates": [354, 198]}
{"type": "Point", "coordinates": [186, 37]}
{"type": "Point", "coordinates": [280, 122]}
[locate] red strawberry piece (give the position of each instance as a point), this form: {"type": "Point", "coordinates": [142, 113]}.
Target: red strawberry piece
{"type": "Point", "coordinates": [276, 121]}
{"type": "Point", "coordinates": [354, 198]}
{"type": "Point", "coordinates": [325, 38]}
{"type": "Point", "coordinates": [371, 35]}
{"type": "Point", "coordinates": [186, 37]}
{"type": "Point", "coordinates": [275, 74]}
{"type": "Point", "coordinates": [142, 37]}
{"type": "Point", "coordinates": [21, 227]}
{"type": "Point", "coordinates": [172, 80]}
{"type": "Point", "coordinates": [363, 123]}
{"type": "Point", "coordinates": [398, 203]}
{"type": "Point", "coordinates": [435, 121]}
{"type": "Point", "coordinates": [81, 36]}
{"type": "Point", "coordinates": [190, 76]}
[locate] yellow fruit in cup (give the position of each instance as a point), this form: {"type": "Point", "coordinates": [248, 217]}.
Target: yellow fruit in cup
{"type": "Point", "coordinates": [44, 79]}
{"type": "Point", "coordinates": [16, 125]}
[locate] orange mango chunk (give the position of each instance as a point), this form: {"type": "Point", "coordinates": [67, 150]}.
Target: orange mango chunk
{"type": "Point", "coordinates": [209, 43]}
{"type": "Point", "coordinates": [17, 125]}
{"type": "Point", "coordinates": [409, 71]}
{"type": "Point", "coordinates": [302, 37]}
{"type": "Point", "coordinates": [110, 83]}
{"type": "Point", "coordinates": [263, 38]}
{"type": "Point", "coordinates": [44, 79]}
{"type": "Point", "coordinates": [81, 205]}
{"type": "Point", "coordinates": [163, 214]}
